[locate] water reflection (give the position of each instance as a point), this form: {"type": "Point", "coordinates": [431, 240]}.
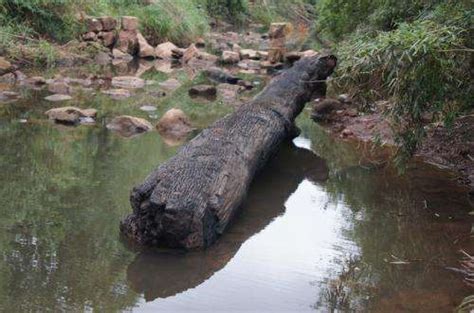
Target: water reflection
{"type": "Point", "coordinates": [64, 190]}
{"type": "Point", "coordinates": [161, 274]}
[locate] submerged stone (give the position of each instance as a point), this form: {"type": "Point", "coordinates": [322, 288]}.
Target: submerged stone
{"type": "Point", "coordinates": [170, 84]}
{"type": "Point", "coordinates": [128, 126]}
{"type": "Point", "coordinates": [174, 123]}
{"type": "Point", "coordinates": [148, 108]}
{"type": "Point", "coordinates": [128, 82]}
{"type": "Point", "coordinates": [70, 115]}
{"type": "Point", "coordinates": [58, 97]}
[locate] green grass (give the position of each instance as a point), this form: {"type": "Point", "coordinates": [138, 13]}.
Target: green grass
{"type": "Point", "coordinates": [418, 58]}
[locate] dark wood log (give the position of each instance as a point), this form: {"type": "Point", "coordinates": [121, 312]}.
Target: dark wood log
{"type": "Point", "coordinates": [189, 200]}
{"type": "Point", "coordinates": [162, 273]}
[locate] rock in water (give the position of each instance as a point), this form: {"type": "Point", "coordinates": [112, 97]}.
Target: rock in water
{"type": "Point", "coordinates": [70, 115]}
{"type": "Point", "coordinates": [128, 82]}
{"type": "Point", "coordinates": [145, 49]}
{"type": "Point", "coordinates": [148, 108]}
{"type": "Point", "coordinates": [203, 91]}
{"type": "Point", "coordinates": [322, 109]}
{"type": "Point", "coordinates": [58, 97]}
{"type": "Point", "coordinates": [230, 57]}
{"type": "Point", "coordinates": [174, 124]}
{"type": "Point", "coordinates": [190, 53]}
{"type": "Point", "coordinates": [170, 84]}
{"type": "Point", "coordinates": [117, 54]}
{"type": "Point", "coordinates": [128, 126]}
{"type": "Point", "coordinates": [165, 50]}
{"type": "Point", "coordinates": [117, 94]}
{"type": "Point", "coordinates": [59, 87]}
{"type": "Point", "coordinates": [220, 76]}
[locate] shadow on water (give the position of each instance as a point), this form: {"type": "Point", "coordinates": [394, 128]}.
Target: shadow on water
{"type": "Point", "coordinates": [161, 274]}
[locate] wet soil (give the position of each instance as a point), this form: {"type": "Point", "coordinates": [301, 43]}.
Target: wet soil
{"type": "Point", "coordinates": [450, 148]}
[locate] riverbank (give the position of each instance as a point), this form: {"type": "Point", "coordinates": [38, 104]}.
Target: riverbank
{"type": "Point", "coordinates": [450, 148]}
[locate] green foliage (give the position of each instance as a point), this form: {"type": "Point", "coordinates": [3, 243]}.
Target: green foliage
{"type": "Point", "coordinates": [180, 21]}
{"type": "Point", "coordinates": [234, 10]}
{"type": "Point", "coordinates": [296, 11]}
{"type": "Point", "coordinates": [53, 19]}
{"type": "Point", "coordinates": [338, 18]}
{"type": "Point", "coordinates": [421, 66]}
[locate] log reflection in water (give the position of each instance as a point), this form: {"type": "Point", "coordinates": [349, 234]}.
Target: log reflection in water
{"type": "Point", "coordinates": [161, 274]}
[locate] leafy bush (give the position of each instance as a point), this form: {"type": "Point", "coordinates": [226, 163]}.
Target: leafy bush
{"type": "Point", "coordinates": [234, 10]}
{"type": "Point", "coordinates": [422, 67]}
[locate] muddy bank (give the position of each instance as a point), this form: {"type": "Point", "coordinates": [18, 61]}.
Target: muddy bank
{"type": "Point", "coordinates": [448, 148]}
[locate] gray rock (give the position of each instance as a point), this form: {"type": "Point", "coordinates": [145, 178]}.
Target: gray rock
{"type": "Point", "coordinates": [58, 97]}
{"type": "Point", "coordinates": [117, 94]}
{"type": "Point", "coordinates": [148, 108]}
{"type": "Point", "coordinates": [128, 126]}
{"type": "Point", "coordinates": [170, 84]}
{"type": "Point", "coordinates": [70, 115]}
{"type": "Point", "coordinates": [128, 82]}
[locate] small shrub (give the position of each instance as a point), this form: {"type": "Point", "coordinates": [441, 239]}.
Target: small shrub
{"type": "Point", "coordinates": [421, 66]}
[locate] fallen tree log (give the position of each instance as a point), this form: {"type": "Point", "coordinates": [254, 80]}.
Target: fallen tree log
{"type": "Point", "coordinates": [158, 273]}
{"type": "Point", "coordinates": [189, 200]}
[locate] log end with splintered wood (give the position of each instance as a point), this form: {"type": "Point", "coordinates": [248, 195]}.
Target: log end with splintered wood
{"type": "Point", "coordinates": [188, 201]}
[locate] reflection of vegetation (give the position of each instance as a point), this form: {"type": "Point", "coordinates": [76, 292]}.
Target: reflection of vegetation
{"type": "Point", "coordinates": [63, 194]}
{"type": "Point", "coordinates": [466, 306]}
{"type": "Point", "coordinates": [342, 294]}
{"type": "Point", "coordinates": [412, 217]}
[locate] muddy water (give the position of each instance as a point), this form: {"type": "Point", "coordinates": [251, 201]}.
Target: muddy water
{"type": "Point", "coordinates": [325, 226]}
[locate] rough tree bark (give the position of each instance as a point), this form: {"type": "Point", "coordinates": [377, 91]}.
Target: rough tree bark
{"type": "Point", "coordinates": [162, 273]}
{"type": "Point", "coordinates": [188, 201]}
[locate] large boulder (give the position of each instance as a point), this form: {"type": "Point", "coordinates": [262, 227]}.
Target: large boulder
{"type": "Point", "coordinates": [70, 115]}
{"type": "Point", "coordinates": [130, 23]}
{"type": "Point", "coordinates": [165, 50]}
{"type": "Point", "coordinates": [145, 50]}
{"type": "Point", "coordinates": [108, 23]}
{"type": "Point", "coordinates": [230, 57]}
{"type": "Point", "coordinates": [174, 123]}
{"type": "Point", "coordinates": [5, 66]}
{"type": "Point", "coordinates": [128, 126]}
{"type": "Point", "coordinates": [130, 82]}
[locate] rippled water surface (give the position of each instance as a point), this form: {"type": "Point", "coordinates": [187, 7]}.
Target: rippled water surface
{"type": "Point", "coordinates": [325, 227]}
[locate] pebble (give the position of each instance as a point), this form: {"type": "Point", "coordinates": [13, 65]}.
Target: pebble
{"type": "Point", "coordinates": [148, 108]}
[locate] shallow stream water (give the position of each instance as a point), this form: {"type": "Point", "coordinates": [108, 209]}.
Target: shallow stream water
{"type": "Point", "coordinates": [324, 228]}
